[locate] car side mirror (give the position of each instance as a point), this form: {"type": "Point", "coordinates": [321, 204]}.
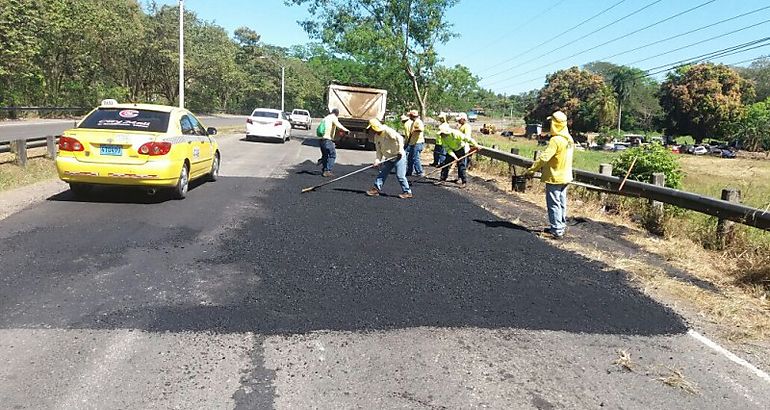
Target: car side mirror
{"type": "Point", "coordinates": [211, 131]}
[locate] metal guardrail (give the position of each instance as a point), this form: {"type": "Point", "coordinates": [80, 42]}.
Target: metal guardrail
{"type": "Point", "coordinates": [19, 146]}
{"type": "Point", "coordinates": [43, 109]}
{"type": "Point", "coordinates": [724, 210]}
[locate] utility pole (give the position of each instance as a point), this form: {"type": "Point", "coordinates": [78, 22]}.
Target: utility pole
{"type": "Point", "coordinates": [283, 88]}
{"type": "Point", "coordinates": [181, 53]}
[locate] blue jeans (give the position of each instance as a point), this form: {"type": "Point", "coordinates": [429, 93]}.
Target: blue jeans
{"type": "Point", "coordinates": [386, 167]}
{"type": "Point", "coordinates": [413, 162]}
{"type": "Point", "coordinates": [439, 154]}
{"type": "Point", "coordinates": [328, 154]}
{"type": "Point", "coordinates": [556, 201]}
{"type": "Point", "coordinates": [462, 165]}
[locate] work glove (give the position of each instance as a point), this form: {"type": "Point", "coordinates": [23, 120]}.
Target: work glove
{"type": "Point", "coordinates": [398, 157]}
{"type": "Point", "coordinates": [376, 163]}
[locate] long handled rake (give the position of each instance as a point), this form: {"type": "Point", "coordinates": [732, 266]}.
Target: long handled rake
{"type": "Point", "coordinates": [313, 188]}
{"type": "Point", "coordinates": [473, 151]}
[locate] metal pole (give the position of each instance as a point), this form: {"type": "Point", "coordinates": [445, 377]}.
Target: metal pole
{"type": "Point", "coordinates": [181, 53]}
{"type": "Point", "coordinates": [283, 72]}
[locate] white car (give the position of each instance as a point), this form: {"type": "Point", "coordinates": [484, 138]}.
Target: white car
{"type": "Point", "coordinates": [300, 118]}
{"type": "Point", "coordinates": [700, 150]}
{"type": "Point", "coordinates": [268, 123]}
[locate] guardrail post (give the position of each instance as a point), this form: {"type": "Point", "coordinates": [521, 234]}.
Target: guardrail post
{"type": "Point", "coordinates": [604, 169]}
{"type": "Point", "coordinates": [21, 152]}
{"type": "Point", "coordinates": [50, 143]}
{"type": "Point", "coordinates": [725, 228]}
{"type": "Point", "coordinates": [655, 218]}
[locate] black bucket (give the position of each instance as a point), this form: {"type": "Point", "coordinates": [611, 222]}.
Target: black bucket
{"type": "Point", "coordinates": [519, 183]}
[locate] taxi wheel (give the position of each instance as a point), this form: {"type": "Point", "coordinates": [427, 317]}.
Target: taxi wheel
{"type": "Point", "coordinates": [214, 174]}
{"type": "Point", "coordinates": [80, 190]}
{"type": "Point", "coordinates": [180, 190]}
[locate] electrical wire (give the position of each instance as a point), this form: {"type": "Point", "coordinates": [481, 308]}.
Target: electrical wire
{"type": "Point", "coordinates": [549, 52]}
{"type": "Point", "coordinates": [681, 34]}
{"type": "Point", "coordinates": [556, 36]}
{"type": "Point", "coordinates": [594, 47]}
{"type": "Point", "coordinates": [699, 42]}
{"type": "Point", "coordinates": [519, 28]}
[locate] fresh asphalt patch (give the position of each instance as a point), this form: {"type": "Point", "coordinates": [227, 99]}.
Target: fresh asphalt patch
{"type": "Point", "coordinates": [333, 259]}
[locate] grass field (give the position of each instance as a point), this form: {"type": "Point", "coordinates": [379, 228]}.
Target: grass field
{"type": "Point", "coordinates": [38, 169]}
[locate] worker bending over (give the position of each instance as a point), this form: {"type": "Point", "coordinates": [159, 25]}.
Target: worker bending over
{"type": "Point", "coordinates": [457, 146]}
{"type": "Point", "coordinates": [390, 154]}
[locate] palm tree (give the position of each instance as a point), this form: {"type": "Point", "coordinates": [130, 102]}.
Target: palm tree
{"type": "Point", "coordinates": [623, 80]}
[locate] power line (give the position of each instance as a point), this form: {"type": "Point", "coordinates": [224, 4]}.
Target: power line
{"type": "Point", "coordinates": [519, 28]}
{"type": "Point", "coordinates": [556, 36]}
{"type": "Point", "coordinates": [583, 37]}
{"type": "Point", "coordinates": [725, 52]}
{"type": "Point", "coordinates": [700, 42]}
{"type": "Point", "coordinates": [718, 53]}
{"type": "Point", "coordinates": [600, 45]}
{"type": "Point", "coordinates": [681, 34]}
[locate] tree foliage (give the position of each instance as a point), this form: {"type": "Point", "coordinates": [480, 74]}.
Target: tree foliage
{"type": "Point", "coordinates": [752, 130]}
{"type": "Point", "coordinates": [638, 93]}
{"type": "Point", "coordinates": [388, 36]}
{"type": "Point", "coordinates": [759, 74]}
{"type": "Point", "coordinates": [582, 95]}
{"type": "Point", "coordinates": [649, 159]}
{"type": "Point", "coordinates": [703, 100]}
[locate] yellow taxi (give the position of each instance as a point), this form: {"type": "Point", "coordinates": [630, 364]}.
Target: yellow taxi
{"type": "Point", "coordinates": [144, 145]}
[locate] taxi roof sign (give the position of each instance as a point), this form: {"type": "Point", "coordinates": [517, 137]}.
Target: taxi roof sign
{"type": "Point", "coordinates": [110, 101]}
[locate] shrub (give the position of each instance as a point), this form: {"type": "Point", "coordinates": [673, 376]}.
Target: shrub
{"type": "Point", "coordinates": [649, 160]}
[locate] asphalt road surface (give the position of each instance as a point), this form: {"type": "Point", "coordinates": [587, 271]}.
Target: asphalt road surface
{"type": "Point", "coordinates": [248, 294]}
{"type": "Point", "coordinates": [10, 130]}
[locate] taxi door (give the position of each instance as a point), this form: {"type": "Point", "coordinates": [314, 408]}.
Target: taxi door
{"type": "Point", "coordinates": [206, 149]}
{"type": "Point", "coordinates": [192, 139]}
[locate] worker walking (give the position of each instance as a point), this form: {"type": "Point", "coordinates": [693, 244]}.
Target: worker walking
{"type": "Point", "coordinates": [439, 153]}
{"type": "Point", "coordinates": [457, 146]}
{"type": "Point", "coordinates": [390, 154]}
{"type": "Point", "coordinates": [556, 165]}
{"type": "Point", "coordinates": [328, 149]}
{"type": "Point", "coordinates": [415, 144]}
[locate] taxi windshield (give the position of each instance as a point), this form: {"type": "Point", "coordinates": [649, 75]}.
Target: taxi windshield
{"type": "Point", "coordinates": [127, 119]}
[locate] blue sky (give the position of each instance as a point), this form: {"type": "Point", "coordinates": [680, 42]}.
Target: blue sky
{"type": "Point", "coordinates": [491, 32]}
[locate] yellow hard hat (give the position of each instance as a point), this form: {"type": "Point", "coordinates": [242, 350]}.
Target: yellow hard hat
{"type": "Point", "coordinates": [413, 113]}
{"type": "Point", "coordinates": [559, 117]}
{"type": "Point", "coordinates": [375, 125]}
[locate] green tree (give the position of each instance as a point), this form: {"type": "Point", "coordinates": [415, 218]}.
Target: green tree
{"type": "Point", "coordinates": [759, 73]}
{"type": "Point", "coordinates": [582, 95]}
{"type": "Point", "coordinates": [703, 100]}
{"type": "Point", "coordinates": [649, 159]}
{"type": "Point", "coordinates": [389, 35]}
{"type": "Point", "coordinates": [454, 88]}
{"type": "Point", "coordinates": [623, 81]}
{"type": "Point", "coordinates": [20, 24]}
{"type": "Point", "coordinates": [640, 105]}
{"type": "Point", "coordinates": [752, 130]}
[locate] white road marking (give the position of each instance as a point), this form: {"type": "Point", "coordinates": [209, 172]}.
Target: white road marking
{"type": "Point", "coordinates": [728, 354]}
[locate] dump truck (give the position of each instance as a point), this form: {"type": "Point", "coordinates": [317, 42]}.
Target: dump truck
{"type": "Point", "coordinates": [357, 105]}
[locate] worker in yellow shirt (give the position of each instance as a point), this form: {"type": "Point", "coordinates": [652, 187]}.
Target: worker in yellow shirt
{"type": "Point", "coordinates": [390, 154]}
{"type": "Point", "coordinates": [439, 153]}
{"type": "Point", "coordinates": [407, 123]}
{"type": "Point", "coordinates": [328, 149]}
{"type": "Point", "coordinates": [556, 165]}
{"type": "Point", "coordinates": [457, 145]}
{"type": "Point", "coordinates": [415, 144]}
{"type": "Point", "coordinates": [465, 126]}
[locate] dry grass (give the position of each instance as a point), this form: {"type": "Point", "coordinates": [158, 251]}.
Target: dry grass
{"type": "Point", "coordinates": [38, 169]}
{"type": "Point", "coordinates": [740, 307]}
{"type": "Point", "coordinates": [624, 361]}
{"type": "Point", "coordinates": [676, 379]}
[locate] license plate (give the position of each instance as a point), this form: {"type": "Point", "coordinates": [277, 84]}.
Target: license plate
{"type": "Point", "coordinates": [114, 150]}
